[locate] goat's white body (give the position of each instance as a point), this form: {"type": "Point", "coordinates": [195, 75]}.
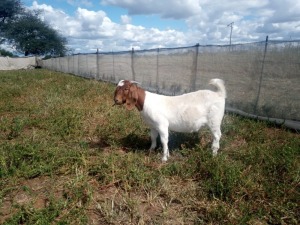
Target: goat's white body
{"type": "Point", "coordinates": [185, 113]}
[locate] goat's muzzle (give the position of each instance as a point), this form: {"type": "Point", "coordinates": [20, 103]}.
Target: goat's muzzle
{"type": "Point", "coordinates": [117, 102]}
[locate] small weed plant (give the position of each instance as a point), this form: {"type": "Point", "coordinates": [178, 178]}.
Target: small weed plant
{"type": "Point", "coordinates": [68, 157]}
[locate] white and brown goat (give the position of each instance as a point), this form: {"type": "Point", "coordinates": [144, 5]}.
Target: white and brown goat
{"type": "Point", "coordinates": [184, 113]}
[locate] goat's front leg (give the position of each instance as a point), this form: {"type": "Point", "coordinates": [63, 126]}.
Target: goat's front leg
{"type": "Point", "coordinates": [164, 138]}
{"type": "Point", "coordinates": [153, 134]}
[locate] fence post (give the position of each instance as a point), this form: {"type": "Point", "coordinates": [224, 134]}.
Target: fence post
{"type": "Point", "coordinates": [86, 69]}
{"type": "Point", "coordinates": [60, 66]}
{"type": "Point", "coordinates": [113, 58]}
{"type": "Point", "coordinates": [261, 75]}
{"type": "Point", "coordinates": [69, 58]}
{"type": "Point", "coordinates": [132, 64]}
{"type": "Point", "coordinates": [97, 66]}
{"type": "Point", "coordinates": [194, 68]}
{"type": "Point", "coordinates": [78, 70]}
{"type": "Point", "coordinates": [157, 74]}
{"type": "Point", "coordinates": [73, 65]}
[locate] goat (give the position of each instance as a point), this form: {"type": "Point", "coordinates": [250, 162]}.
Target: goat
{"type": "Point", "coordinates": [184, 113]}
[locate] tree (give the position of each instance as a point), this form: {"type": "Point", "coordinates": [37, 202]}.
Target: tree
{"type": "Point", "coordinates": [27, 32]}
{"type": "Point", "coordinates": [4, 52]}
{"type": "Point", "coordinates": [31, 35]}
{"type": "Point", "coordinates": [9, 9]}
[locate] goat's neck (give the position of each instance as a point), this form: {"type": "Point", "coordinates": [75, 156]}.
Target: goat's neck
{"type": "Point", "coordinates": [141, 98]}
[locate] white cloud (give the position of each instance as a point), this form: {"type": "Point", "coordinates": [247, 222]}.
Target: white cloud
{"type": "Point", "coordinates": [176, 9]}
{"type": "Point", "coordinates": [85, 24]}
{"type": "Point", "coordinates": [88, 30]}
{"type": "Point", "coordinates": [284, 11]}
{"type": "Point", "coordinates": [206, 23]}
{"type": "Point", "coordinates": [85, 3]}
{"type": "Point", "coordinates": [125, 19]}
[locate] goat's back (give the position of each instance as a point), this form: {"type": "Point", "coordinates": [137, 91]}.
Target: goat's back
{"type": "Point", "coordinates": [183, 113]}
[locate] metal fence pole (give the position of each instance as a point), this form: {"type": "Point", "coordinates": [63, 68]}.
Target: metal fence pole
{"type": "Point", "coordinates": [157, 68]}
{"type": "Point", "coordinates": [261, 76]}
{"type": "Point", "coordinates": [69, 58]}
{"type": "Point", "coordinates": [73, 71]}
{"type": "Point", "coordinates": [113, 58]}
{"type": "Point", "coordinates": [77, 64]}
{"type": "Point", "coordinates": [132, 64]}
{"type": "Point", "coordinates": [97, 66]}
{"type": "Point", "coordinates": [194, 68]}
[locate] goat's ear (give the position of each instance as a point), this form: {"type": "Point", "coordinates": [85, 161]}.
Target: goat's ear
{"type": "Point", "coordinates": [132, 97]}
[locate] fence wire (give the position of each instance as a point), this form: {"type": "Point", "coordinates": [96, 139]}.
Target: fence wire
{"type": "Point", "coordinates": [262, 79]}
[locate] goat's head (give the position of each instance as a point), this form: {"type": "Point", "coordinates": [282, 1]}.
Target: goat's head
{"type": "Point", "coordinates": [126, 93]}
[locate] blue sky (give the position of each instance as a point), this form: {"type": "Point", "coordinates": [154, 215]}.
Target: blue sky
{"type": "Point", "coordinates": [116, 25]}
{"type": "Point", "coordinates": [113, 12]}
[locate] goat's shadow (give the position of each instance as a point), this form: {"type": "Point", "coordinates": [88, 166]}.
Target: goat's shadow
{"type": "Point", "coordinates": [135, 141]}
{"type": "Point", "coordinates": [138, 142]}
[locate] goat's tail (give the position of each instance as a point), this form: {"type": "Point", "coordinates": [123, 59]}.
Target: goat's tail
{"type": "Point", "coordinates": [219, 84]}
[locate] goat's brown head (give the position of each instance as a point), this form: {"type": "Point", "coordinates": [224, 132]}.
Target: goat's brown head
{"type": "Point", "coordinates": [126, 93]}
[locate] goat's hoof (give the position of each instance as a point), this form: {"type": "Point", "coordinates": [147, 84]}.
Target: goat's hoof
{"type": "Point", "coordinates": [164, 159]}
{"type": "Point", "coordinates": [150, 151]}
{"type": "Point", "coordinates": [215, 153]}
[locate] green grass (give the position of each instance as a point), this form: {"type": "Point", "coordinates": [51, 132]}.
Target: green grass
{"type": "Point", "coordinates": [68, 157]}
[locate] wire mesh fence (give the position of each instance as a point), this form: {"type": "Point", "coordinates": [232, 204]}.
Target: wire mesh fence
{"type": "Point", "coordinates": [262, 79]}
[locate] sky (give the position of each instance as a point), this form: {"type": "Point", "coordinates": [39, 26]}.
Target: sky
{"type": "Point", "coordinates": [120, 25]}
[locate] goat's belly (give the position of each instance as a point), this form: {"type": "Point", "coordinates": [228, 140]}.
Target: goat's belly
{"type": "Point", "coordinates": [187, 126]}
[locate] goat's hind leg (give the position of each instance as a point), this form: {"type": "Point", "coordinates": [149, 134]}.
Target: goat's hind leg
{"type": "Point", "coordinates": [154, 135]}
{"type": "Point", "coordinates": [216, 141]}
{"type": "Point", "coordinates": [214, 123]}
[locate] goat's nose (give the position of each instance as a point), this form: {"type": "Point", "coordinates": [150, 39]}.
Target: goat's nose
{"type": "Point", "coordinates": [117, 101]}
